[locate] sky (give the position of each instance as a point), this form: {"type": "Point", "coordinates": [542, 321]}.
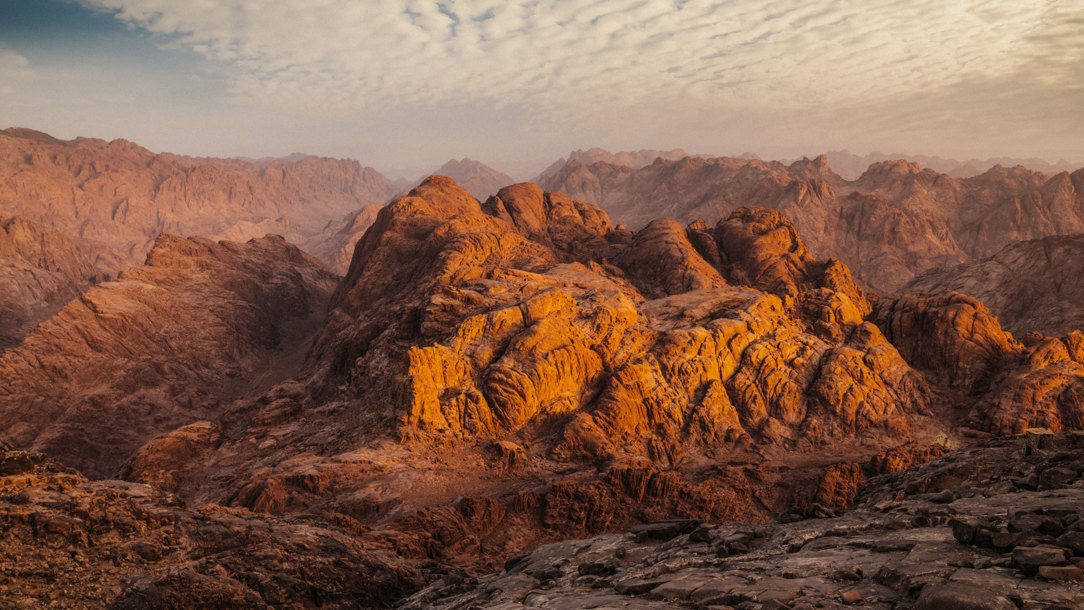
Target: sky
{"type": "Point", "coordinates": [409, 83]}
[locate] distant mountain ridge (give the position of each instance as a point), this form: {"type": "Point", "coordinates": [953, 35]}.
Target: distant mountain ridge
{"type": "Point", "coordinates": [851, 166]}
{"type": "Point", "coordinates": [896, 220]}
{"type": "Point", "coordinates": [122, 195]}
{"type": "Point", "coordinates": [477, 178]}
{"type": "Point", "coordinates": [632, 159]}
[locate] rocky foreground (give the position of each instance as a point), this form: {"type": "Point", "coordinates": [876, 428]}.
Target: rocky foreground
{"type": "Point", "coordinates": [69, 542]}
{"type": "Point", "coordinates": [997, 526]}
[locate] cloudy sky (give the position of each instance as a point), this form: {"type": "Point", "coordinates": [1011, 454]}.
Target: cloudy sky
{"type": "Point", "coordinates": [398, 83]}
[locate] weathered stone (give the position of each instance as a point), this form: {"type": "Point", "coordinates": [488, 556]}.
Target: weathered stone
{"type": "Point", "coordinates": [598, 568]}
{"type": "Point", "coordinates": [1037, 524]}
{"type": "Point", "coordinates": [663, 530]}
{"type": "Point", "coordinates": [1006, 540]}
{"type": "Point", "coordinates": [638, 586]}
{"type": "Point", "coordinates": [1056, 478]}
{"type": "Point", "coordinates": [1061, 573]}
{"type": "Point", "coordinates": [678, 589]}
{"type": "Point", "coordinates": [1030, 558]}
{"type": "Point", "coordinates": [714, 590]}
{"type": "Point", "coordinates": [1073, 540]}
{"type": "Point", "coordinates": [964, 530]}
{"type": "Point", "coordinates": [960, 596]}
{"type": "Point", "coordinates": [851, 597]}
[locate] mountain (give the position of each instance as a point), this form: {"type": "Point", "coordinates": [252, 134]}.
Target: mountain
{"type": "Point", "coordinates": [851, 166]}
{"type": "Point", "coordinates": [489, 377]}
{"type": "Point", "coordinates": [335, 244]}
{"type": "Point", "coordinates": [40, 271]}
{"type": "Point", "coordinates": [633, 159]}
{"type": "Point", "coordinates": [894, 222]}
{"type": "Point", "coordinates": [168, 343]}
{"type": "Point", "coordinates": [1032, 285]}
{"type": "Point", "coordinates": [476, 178]}
{"type": "Point", "coordinates": [554, 376]}
{"type": "Point", "coordinates": [121, 195]}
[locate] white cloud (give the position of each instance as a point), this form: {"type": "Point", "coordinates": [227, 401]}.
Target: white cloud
{"type": "Point", "coordinates": [13, 68]}
{"type": "Point", "coordinates": [554, 56]}
{"type": "Point", "coordinates": [413, 81]}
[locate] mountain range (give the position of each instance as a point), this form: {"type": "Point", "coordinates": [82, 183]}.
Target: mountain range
{"type": "Point", "coordinates": [253, 422]}
{"type": "Point", "coordinates": [895, 221]}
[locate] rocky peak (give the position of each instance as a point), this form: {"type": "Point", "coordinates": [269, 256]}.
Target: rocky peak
{"type": "Point", "coordinates": [816, 168]}
{"type": "Point", "coordinates": [895, 167]}
{"type": "Point", "coordinates": [662, 261]}
{"type": "Point", "coordinates": [509, 330]}
{"type": "Point", "coordinates": [766, 251]}
{"type": "Point", "coordinates": [476, 178]}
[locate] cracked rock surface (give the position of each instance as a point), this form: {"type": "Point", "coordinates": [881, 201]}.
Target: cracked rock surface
{"type": "Point", "coordinates": [986, 527]}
